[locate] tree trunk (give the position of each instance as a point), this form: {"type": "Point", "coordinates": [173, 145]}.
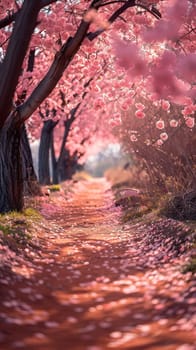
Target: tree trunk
{"type": "Point", "coordinates": [15, 54]}
{"type": "Point", "coordinates": [31, 186]}
{"type": "Point", "coordinates": [55, 173]}
{"type": "Point", "coordinates": [44, 152]}
{"type": "Point", "coordinates": [11, 175]}
{"type": "Point", "coordinates": [63, 165]}
{"type": "Point", "coordinates": [67, 165]}
{"type": "Point", "coordinates": [61, 62]}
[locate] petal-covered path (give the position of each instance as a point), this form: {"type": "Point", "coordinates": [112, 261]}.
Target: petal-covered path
{"type": "Point", "coordinates": [97, 285]}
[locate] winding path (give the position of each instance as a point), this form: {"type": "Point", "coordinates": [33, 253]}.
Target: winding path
{"type": "Point", "coordinates": [94, 288]}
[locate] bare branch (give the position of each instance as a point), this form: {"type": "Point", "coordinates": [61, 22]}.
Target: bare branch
{"type": "Point", "coordinates": [60, 63]}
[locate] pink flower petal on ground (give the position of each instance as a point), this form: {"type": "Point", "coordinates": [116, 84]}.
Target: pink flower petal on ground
{"type": "Point", "coordinates": [116, 334]}
{"type": "Point", "coordinates": [186, 347]}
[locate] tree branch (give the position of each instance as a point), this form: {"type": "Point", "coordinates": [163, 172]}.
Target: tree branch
{"type": "Point", "coordinates": [152, 10]}
{"type": "Point", "coordinates": [60, 63]}
{"type": "Point", "coordinates": [46, 2]}
{"type": "Point", "coordinates": [131, 3]}
{"type": "Point", "coordinates": [112, 2]}
{"type": "Point", "coordinates": [11, 17]}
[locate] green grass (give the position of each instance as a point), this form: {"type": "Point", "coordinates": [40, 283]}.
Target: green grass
{"type": "Point", "coordinates": [16, 227]}
{"type": "Point", "coordinates": [13, 215]}
{"type": "Point", "coordinates": [20, 217]}
{"type": "Point", "coordinates": [54, 188]}
{"type": "Point", "coordinates": [32, 213]}
{"type": "Point", "coordinates": [15, 235]}
{"type": "Point", "coordinates": [5, 229]}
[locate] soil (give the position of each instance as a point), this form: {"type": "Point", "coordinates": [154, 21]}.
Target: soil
{"type": "Point", "coordinates": [96, 283]}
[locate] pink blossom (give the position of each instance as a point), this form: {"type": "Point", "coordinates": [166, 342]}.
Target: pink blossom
{"type": "Point", "coordinates": [187, 101]}
{"type": "Point", "coordinates": [115, 122]}
{"type": "Point", "coordinates": [159, 142]}
{"type": "Point", "coordinates": [188, 110]}
{"type": "Point", "coordinates": [125, 106]}
{"type": "Point", "coordinates": [117, 116]}
{"type": "Point", "coordinates": [98, 19]}
{"type": "Point", "coordinates": [190, 122]}
{"type": "Point", "coordinates": [140, 106]}
{"type": "Point", "coordinates": [153, 97]}
{"type": "Point", "coordinates": [125, 52]}
{"type": "Point", "coordinates": [139, 68]}
{"type": "Point", "coordinates": [165, 105]}
{"type": "Point", "coordinates": [161, 31]}
{"type": "Point", "coordinates": [178, 9]}
{"type": "Point", "coordinates": [98, 103]}
{"type": "Point", "coordinates": [160, 124]}
{"type": "Point", "coordinates": [164, 136]}
{"type": "Point", "coordinates": [192, 92]}
{"type": "Point", "coordinates": [96, 88]}
{"type": "Point", "coordinates": [168, 28]}
{"type": "Point", "coordinates": [165, 83]}
{"type": "Point", "coordinates": [129, 58]}
{"type": "Point", "coordinates": [186, 67]}
{"type": "Point", "coordinates": [133, 138]}
{"type": "Point", "coordinates": [139, 114]}
{"type": "Point", "coordinates": [173, 123]}
{"type": "Point", "coordinates": [130, 101]}
{"type": "Point", "coordinates": [69, 27]}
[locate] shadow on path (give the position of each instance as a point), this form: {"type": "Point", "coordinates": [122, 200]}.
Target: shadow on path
{"type": "Point", "coordinates": [94, 288]}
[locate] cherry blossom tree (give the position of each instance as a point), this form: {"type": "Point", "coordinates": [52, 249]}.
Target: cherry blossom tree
{"type": "Point", "coordinates": [20, 23]}
{"type": "Point", "coordinates": [155, 119]}
{"type": "Point", "coordinates": [151, 98]}
{"type": "Point", "coordinates": [50, 35]}
{"type": "Point", "coordinates": [60, 119]}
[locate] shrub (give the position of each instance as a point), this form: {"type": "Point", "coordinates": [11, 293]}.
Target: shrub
{"type": "Point", "coordinates": [181, 206]}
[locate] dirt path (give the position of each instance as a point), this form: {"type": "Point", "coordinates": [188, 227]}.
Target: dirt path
{"type": "Point", "coordinates": [94, 287]}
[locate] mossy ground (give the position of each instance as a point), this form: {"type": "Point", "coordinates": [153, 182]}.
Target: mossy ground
{"type": "Point", "coordinates": [54, 188]}
{"type": "Point", "coordinates": [17, 228]}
